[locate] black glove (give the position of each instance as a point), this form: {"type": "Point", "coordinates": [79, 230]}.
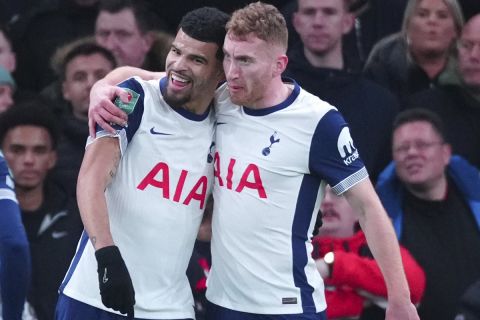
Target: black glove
{"type": "Point", "coordinates": [116, 286]}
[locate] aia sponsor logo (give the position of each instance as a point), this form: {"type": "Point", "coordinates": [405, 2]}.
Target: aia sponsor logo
{"type": "Point", "coordinates": [250, 178]}
{"type": "Point", "coordinates": [159, 177]}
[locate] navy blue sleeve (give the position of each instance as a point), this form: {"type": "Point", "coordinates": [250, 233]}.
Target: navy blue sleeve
{"type": "Point", "coordinates": [333, 155]}
{"type": "Point", "coordinates": [15, 265]}
{"type": "Point", "coordinates": [134, 108]}
{"type": "Point", "coordinates": [14, 261]}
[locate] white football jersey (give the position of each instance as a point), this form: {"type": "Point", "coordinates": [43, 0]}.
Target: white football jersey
{"type": "Point", "coordinates": [270, 169]}
{"type": "Point", "coordinates": [155, 203]}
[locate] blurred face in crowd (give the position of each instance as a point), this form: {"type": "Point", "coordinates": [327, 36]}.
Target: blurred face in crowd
{"type": "Point", "coordinates": [338, 217]}
{"type": "Point", "coordinates": [193, 72]}
{"type": "Point", "coordinates": [7, 57]}
{"type": "Point", "coordinates": [469, 54]}
{"type": "Point", "coordinates": [80, 75]}
{"type": "Point", "coordinates": [431, 29]}
{"type": "Point", "coordinates": [420, 154]}
{"type": "Point", "coordinates": [29, 154]}
{"type": "Point", "coordinates": [321, 24]}
{"type": "Point", "coordinates": [119, 33]}
{"type": "Point", "coordinates": [6, 97]}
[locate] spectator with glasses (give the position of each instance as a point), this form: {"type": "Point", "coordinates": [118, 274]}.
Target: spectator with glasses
{"type": "Point", "coordinates": [433, 199]}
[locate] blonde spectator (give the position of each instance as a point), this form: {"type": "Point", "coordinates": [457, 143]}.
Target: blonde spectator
{"type": "Point", "coordinates": [412, 60]}
{"type": "Point", "coordinates": [457, 98]}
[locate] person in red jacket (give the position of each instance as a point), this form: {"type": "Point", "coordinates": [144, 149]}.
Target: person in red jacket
{"type": "Point", "coordinates": [355, 288]}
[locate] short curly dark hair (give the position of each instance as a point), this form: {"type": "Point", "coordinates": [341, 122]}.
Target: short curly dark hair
{"type": "Point", "coordinates": [206, 24]}
{"type": "Point", "coordinates": [34, 112]}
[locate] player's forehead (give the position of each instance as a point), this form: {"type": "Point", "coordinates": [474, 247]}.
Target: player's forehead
{"type": "Point", "coordinates": [245, 45]}
{"type": "Point", "coordinates": [188, 45]}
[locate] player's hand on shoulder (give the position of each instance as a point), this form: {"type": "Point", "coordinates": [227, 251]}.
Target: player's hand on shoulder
{"type": "Point", "coordinates": [102, 110]}
{"type": "Point", "coordinates": [404, 311]}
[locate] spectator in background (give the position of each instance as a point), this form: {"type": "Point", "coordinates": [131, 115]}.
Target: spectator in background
{"type": "Point", "coordinates": [433, 199]}
{"type": "Point", "coordinates": [79, 65]}
{"type": "Point", "coordinates": [28, 137]}
{"type": "Point", "coordinates": [457, 99]}
{"type": "Point", "coordinates": [14, 252]}
{"type": "Point", "coordinates": [354, 283]}
{"type": "Point", "coordinates": [317, 63]}
{"type": "Point", "coordinates": [412, 60]}
{"type": "Point", "coordinates": [125, 28]}
{"type": "Point", "coordinates": [374, 19]}
{"type": "Point", "coordinates": [7, 88]}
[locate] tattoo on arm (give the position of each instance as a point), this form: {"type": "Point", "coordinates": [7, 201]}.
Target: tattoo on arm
{"type": "Point", "coordinates": [93, 240]}
{"type": "Point", "coordinates": [113, 170]}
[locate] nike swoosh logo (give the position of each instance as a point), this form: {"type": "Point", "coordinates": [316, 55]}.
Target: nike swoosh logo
{"type": "Point", "coordinates": [220, 123]}
{"type": "Point", "coordinates": [49, 220]}
{"type": "Point", "coordinates": [105, 278]}
{"type": "Point", "coordinates": [152, 131]}
{"type": "Point", "coordinates": [59, 234]}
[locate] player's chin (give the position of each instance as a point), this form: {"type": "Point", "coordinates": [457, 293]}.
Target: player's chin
{"type": "Point", "coordinates": [238, 98]}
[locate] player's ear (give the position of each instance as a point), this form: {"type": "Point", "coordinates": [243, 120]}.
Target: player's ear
{"type": "Point", "coordinates": [280, 65]}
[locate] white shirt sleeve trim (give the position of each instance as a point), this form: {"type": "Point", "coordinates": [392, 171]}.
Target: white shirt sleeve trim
{"type": "Point", "coordinates": [350, 181]}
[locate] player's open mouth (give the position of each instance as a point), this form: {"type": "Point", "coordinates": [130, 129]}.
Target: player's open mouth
{"type": "Point", "coordinates": [178, 80]}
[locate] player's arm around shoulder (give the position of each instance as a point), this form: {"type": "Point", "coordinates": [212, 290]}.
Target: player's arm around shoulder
{"type": "Point", "coordinates": [384, 245]}
{"type": "Point", "coordinates": [102, 110]}
{"type": "Point", "coordinates": [98, 167]}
